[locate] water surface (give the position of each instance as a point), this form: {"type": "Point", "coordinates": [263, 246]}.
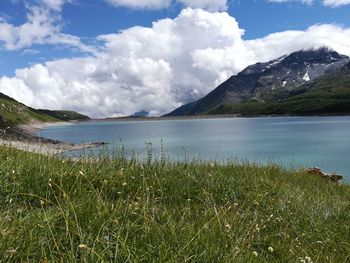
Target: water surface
{"type": "Point", "coordinates": [299, 141]}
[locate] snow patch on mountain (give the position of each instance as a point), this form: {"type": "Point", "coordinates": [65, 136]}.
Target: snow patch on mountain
{"type": "Point", "coordinates": [306, 76]}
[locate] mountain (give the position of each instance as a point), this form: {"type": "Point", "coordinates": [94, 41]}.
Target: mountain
{"type": "Point", "coordinates": [266, 88]}
{"type": "Point", "coordinates": [13, 112]}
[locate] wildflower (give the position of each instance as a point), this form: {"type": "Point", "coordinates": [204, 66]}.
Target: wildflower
{"type": "Point", "coordinates": [255, 253]}
{"type": "Point", "coordinates": [81, 173]}
{"type": "Point", "coordinates": [83, 246]}
{"type": "Point", "coordinates": [125, 184]}
{"type": "Point", "coordinates": [257, 228]}
{"type": "Point", "coordinates": [270, 249]}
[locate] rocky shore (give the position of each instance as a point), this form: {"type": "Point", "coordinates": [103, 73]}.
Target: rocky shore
{"type": "Point", "coordinates": [23, 137]}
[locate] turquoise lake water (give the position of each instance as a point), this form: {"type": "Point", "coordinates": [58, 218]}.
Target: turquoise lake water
{"type": "Point", "coordinates": [299, 141]}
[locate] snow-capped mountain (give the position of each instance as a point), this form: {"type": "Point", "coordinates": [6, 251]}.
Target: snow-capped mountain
{"type": "Point", "coordinates": [271, 81]}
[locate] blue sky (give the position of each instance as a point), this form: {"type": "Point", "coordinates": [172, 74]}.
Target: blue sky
{"type": "Point", "coordinates": [88, 19]}
{"type": "Point", "coordinates": [40, 40]}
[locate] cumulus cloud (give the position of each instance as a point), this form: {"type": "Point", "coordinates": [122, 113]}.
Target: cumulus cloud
{"type": "Point", "coordinates": [153, 69]}
{"type": "Point", "coordinates": [159, 68]}
{"type": "Point", "coordinates": [42, 26]}
{"type": "Point", "coordinates": [210, 5]}
{"type": "Point", "coordinates": [316, 36]}
{"type": "Point", "coordinates": [331, 3]}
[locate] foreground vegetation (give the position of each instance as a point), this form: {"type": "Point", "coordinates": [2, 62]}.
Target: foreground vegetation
{"type": "Point", "coordinates": [127, 211]}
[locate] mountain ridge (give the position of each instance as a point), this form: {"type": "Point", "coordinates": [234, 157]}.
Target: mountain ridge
{"type": "Point", "coordinates": [276, 80]}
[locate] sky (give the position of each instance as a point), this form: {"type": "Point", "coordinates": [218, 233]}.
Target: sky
{"type": "Point", "coordinates": [110, 58]}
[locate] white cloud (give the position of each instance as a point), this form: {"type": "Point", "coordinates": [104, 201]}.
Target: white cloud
{"type": "Point", "coordinates": [289, 41]}
{"type": "Point", "coordinates": [331, 3]}
{"type": "Point", "coordinates": [141, 4]}
{"type": "Point", "coordinates": [210, 5]}
{"type": "Point", "coordinates": [30, 52]}
{"type": "Point", "coordinates": [55, 4]}
{"type": "Point", "coordinates": [336, 3]}
{"type": "Point", "coordinates": [42, 26]}
{"type": "Point", "coordinates": [309, 2]}
{"type": "Point", "coordinates": [154, 69]}
{"type": "Point", "coordinates": [159, 68]}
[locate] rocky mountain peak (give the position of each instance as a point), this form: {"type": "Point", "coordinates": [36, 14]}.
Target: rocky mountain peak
{"type": "Point", "coordinates": [288, 72]}
{"type": "Point", "coordinates": [271, 81]}
{"type": "Point", "coordinates": [297, 60]}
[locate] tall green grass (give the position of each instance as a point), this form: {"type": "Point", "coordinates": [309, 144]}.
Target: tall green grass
{"type": "Point", "coordinates": [122, 210]}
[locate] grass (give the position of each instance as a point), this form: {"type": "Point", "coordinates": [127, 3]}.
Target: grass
{"type": "Point", "coordinates": [130, 211]}
{"type": "Point", "coordinates": [13, 112]}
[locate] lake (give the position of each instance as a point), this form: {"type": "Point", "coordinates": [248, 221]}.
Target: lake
{"type": "Point", "coordinates": [288, 141]}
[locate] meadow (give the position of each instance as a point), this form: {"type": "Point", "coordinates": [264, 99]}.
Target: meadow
{"type": "Point", "coordinates": [131, 210]}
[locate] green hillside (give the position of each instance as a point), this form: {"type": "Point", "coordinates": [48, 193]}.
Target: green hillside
{"type": "Point", "coordinates": [63, 115]}
{"type": "Point", "coordinates": [12, 113]}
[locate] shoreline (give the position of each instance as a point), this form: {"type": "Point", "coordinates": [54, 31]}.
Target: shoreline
{"type": "Point", "coordinates": [24, 137]}
{"type": "Point", "coordinates": [34, 127]}
{"type": "Point", "coordinates": [201, 117]}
